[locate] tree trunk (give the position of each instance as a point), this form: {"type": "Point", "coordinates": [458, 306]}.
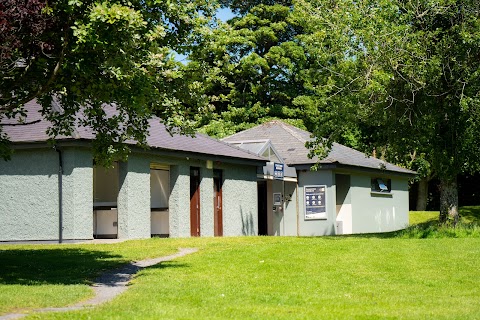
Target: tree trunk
{"type": "Point", "coordinates": [422, 193]}
{"type": "Point", "coordinates": [449, 201]}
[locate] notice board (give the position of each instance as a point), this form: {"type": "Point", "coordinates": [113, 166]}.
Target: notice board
{"type": "Point", "coordinates": [314, 201]}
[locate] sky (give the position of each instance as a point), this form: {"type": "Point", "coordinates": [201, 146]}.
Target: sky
{"type": "Point", "coordinates": [225, 14]}
{"type": "Point", "coordinates": [222, 14]}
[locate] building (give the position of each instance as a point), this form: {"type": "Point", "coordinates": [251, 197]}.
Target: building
{"type": "Point", "coordinates": [349, 193]}
{"type": "Point", "coordinates": [180, 187]}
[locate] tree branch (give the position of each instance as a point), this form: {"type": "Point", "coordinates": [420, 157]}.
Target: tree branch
{"type": "Point", "coordinates": [19, 123]}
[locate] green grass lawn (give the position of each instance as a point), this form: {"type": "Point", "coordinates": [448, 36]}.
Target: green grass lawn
{"type": "Point", "coordinates": [468, 214]}
{"type": "Point", "coordinates": [424, 224]}
{"type": "Point", "coordinates": [255, 278]}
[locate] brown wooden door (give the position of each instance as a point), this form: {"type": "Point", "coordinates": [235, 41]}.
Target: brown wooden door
{"type": "Point", "coordinates": [194, 201]}
{"type": "Point", "coordinates": [217, 203]}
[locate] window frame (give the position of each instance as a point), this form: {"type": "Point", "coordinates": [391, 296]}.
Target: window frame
{"type": "Point", "coordinates": [377, 183]}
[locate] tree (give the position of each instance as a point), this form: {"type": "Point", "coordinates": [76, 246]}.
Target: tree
{"type": "Point", "coordinates": [407, 73]}
{"type": "Point", "coordinates": [250, 68]}
{"type": "Point", "coordinates": [243, 7]}
{"type": "Point", "coordinates": [86, 53]}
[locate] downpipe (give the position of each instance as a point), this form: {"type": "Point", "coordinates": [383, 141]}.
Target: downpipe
{"type": "Point", "coordinates": [60, 193]}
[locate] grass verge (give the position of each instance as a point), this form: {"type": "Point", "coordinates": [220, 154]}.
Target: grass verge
{"type": "Point", "coordinates": [424, 224]}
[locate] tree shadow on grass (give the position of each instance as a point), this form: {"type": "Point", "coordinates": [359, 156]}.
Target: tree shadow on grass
{"type": "Point", "coordinates": [55, 266]}
{"type": "Point", "coordinates": [471, 214]}
{"type": "Point", "coordinates": [166, 264]}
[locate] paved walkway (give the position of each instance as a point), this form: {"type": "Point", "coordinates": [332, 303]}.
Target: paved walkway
{"type": "Point", "coordinates": [109, 285]}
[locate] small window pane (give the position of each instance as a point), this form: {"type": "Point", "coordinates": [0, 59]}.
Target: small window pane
{"type": "Point", "coordinates": [381, 185]}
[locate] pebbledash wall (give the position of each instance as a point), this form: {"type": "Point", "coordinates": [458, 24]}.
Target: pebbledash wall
{"type": "Point", "coordinates": [29, 196]}
{"type": "Point", "coordinates": [239, 193]}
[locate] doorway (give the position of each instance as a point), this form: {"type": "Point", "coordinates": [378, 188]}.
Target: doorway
{"type": "Point", "coordinates": [159, 197]}
{"type": "Point", "coordinates": [218, 202]}
{"type": "Point", "coordinates": [343, 204]}
{"type": "Point", "coordinates": [262, 208]}
{"type": "Point", "coordinates": [194, 201]}
{"type": "Point", "coordinates": [105, 194]}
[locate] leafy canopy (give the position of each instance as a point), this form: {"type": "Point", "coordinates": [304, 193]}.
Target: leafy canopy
{"type": "Point", "coordinates": [83, 54]}
{"type": "Point", "coordinates": [250, 69]}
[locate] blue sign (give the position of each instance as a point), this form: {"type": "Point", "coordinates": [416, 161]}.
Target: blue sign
{"type": "Point", "coordinates": [278, 171]}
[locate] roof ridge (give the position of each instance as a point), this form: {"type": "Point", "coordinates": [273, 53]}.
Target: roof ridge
{"type": "Point", "coordinates": [227, 144]}
{"type": "Point", "coordinates": [287, 126]}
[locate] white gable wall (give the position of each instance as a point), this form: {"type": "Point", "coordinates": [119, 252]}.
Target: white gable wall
{"type": "Point", "coordinates": [374, 212]}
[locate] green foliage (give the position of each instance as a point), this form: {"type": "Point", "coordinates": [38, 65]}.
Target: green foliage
{"type": "Point", "coordinates": [109, 52]}
{"type": "Point", "coordinates": [405, 75]}
{"type": "Point", "coordinates": [250, 70]}
{"type": "Point", "coordinates": [402, 73]}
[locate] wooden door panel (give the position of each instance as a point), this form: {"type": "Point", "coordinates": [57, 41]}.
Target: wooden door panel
{"type": "Point", "coordinates": [194, 201]}
{"type": "Point", "coordinates": [217, 203]}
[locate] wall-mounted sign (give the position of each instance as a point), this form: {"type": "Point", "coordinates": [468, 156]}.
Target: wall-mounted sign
{"type": "Point", "coordinates": [278, 171]}
{"type": "Point", "coordinates": [277, 199]}
{"type": "Point", "coordinates": [315, 207]}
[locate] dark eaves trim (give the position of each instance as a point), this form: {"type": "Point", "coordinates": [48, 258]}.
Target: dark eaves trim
{"type": "Point", "coordinates": [358, 169]}
{"type": "Point", "coordinates": [84, 143]}
{"type": "Point", "coordinates": [45, 144]}
{"type": "Point", "coordinates": [199, 156]}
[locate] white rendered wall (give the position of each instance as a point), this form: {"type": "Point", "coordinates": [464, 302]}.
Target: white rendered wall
{"type": "Point", "coordinates": [321, 227]}
{"type": "Point", "coordinates": [373, 212]}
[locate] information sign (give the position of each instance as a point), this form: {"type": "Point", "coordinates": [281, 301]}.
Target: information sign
{"type": "Point", "coordinates": [315, 207]}
{"type": "Point", "coordinates": [278, 171]}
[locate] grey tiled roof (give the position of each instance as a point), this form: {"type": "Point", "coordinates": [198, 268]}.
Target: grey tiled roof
{"type": "Point", "coordinates": [159, 138]}
{"type": "Point", "coordinates": [289, 142]}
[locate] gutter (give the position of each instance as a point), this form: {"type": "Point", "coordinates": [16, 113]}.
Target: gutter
{"type": "Point", "coordinates": [60, 193]}
{"type": "Point", "coordinates": [359, 169]}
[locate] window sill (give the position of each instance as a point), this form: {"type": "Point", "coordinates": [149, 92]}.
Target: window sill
{"type": "Point", "coordinates": [381, 194]}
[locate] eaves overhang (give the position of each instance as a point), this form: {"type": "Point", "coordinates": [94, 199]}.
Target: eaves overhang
{"type": "Point", "coordinates": [85, 143]}
{"type": "Point", "coordinates": [358, 169]}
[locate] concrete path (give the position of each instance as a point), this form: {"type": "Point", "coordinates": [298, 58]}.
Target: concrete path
{"type": "Point", "coordinates": [108, 285]}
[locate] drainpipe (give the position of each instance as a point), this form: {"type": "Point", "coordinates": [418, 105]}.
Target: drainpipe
{"type": "Point", "coordinates": [60, 194]}
{"type": "Point", "coordinates": [297, 205]}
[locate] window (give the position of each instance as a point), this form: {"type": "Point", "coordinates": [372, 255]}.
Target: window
{"type": "Point", "coordinates": [381, 185]}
